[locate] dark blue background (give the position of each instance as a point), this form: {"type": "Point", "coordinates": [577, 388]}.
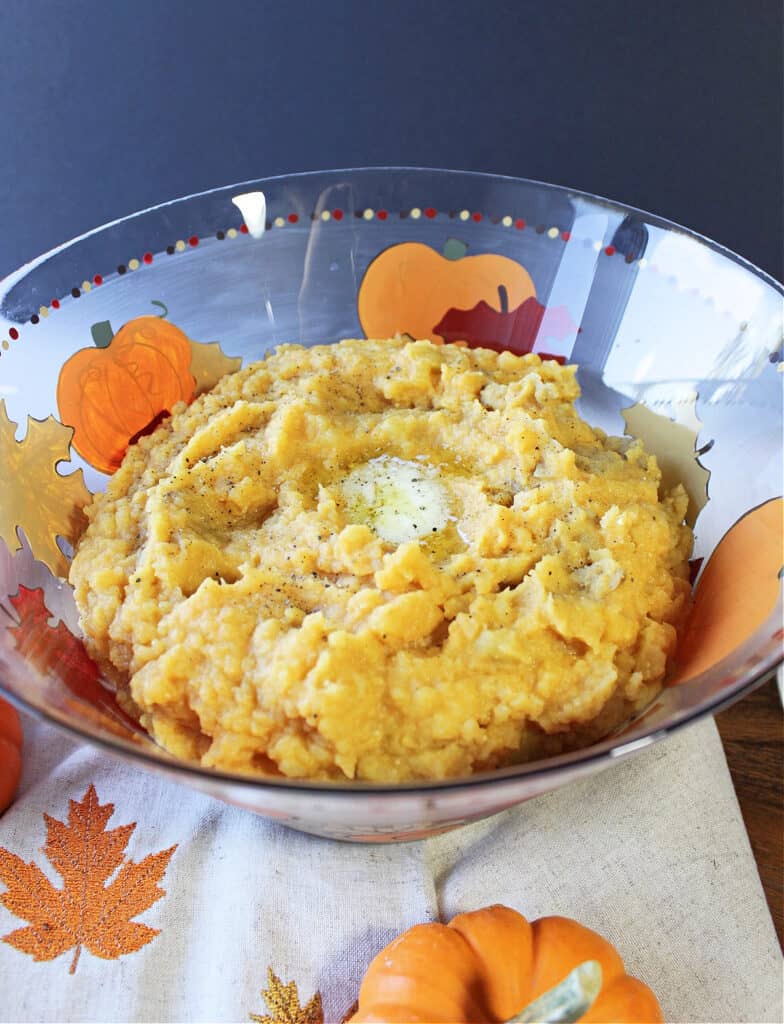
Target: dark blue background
{"type": "Point", "coordinates": [113, 106]}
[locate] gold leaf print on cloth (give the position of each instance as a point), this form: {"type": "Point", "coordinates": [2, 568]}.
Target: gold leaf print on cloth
{"type": "Point", "coordinates": [90, 911]}
{"type": "Point", "coordinates": [283, 1004]}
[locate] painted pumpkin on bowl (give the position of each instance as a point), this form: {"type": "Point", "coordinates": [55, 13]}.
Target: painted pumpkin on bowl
{"type": "Point", "coordinates": [408, 288]}
{"type": "Point", "coordinates": [116, 391]}
{"type": "Point", "coordinates": [10, 753]}
{"type": "Point", "coordinates": [492, 964]}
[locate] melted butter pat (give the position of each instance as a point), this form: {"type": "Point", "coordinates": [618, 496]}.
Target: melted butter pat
{"type": "Point", "coordinates": [399, 500]}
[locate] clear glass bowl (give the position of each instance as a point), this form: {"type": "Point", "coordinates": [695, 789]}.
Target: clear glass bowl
{"type": "Point", "coordinates": [657, 318]}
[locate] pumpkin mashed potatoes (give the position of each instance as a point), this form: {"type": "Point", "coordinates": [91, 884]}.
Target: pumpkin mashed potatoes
{"type": "Point", "coordinates": [383, 560]}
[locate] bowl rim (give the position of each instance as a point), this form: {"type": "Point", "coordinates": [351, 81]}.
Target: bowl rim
{"type": "Point", "coordinates": [663, 222]}
{"type": "Point", "coordinates": [605, 750]}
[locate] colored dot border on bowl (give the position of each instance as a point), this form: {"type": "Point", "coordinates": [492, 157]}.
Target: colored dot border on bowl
{"type": "Point", "coordinates": [465, 216]}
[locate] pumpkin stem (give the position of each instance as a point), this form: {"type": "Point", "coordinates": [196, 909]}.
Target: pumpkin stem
{"type": "Point", "coordinates": [165, 308]}
{"type": "Point", "coordinates": [454, 249]}
{"type": "Point", "coordinates": [566, 1002]}
{"type": "Point", "coordinates": [102, 334]}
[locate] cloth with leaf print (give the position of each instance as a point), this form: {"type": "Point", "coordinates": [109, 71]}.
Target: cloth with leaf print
{"type": "Point", "coordinates": [124, 897]}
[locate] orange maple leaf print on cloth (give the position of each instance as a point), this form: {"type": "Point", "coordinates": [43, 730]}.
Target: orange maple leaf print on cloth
{"type": "Point", "coordinates": [93, 909]}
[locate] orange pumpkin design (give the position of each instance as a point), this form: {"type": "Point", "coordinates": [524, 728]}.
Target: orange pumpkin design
{"type": "Point", "coordinates": [112, 393]}
{"type": "Point", "coordinates": [408, 288]}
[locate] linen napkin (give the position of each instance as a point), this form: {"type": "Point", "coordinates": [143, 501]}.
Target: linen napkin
{"type": "Point", "coordinates": [194, 908]}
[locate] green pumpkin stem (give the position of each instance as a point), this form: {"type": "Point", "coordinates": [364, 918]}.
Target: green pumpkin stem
{"type": "Point", "coordinates": [568, 1001]}
{"type": "Point", "coordinates": [102, 334]}
{"type": "Point", "coordinates": [454, 249]}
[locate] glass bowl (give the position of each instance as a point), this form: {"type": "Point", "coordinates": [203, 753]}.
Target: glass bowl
{"type": "Point", "coordinates": [673, 335]}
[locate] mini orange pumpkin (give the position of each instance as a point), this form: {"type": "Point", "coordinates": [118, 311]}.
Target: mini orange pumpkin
{"type": "Point", "coordinates": [111, 393]}
{"type": "Point", "coordinates": [489, 965]}
{"type": "Point", "coordinates": [408, 288]}
{"type": "Point", "coordinates": [10, 753]}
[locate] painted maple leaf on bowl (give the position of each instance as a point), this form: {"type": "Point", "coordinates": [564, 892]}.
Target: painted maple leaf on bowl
{"type": "Point", "coordinates": [42, 501]}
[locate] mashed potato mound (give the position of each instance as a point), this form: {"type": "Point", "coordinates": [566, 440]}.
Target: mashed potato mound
{"type": "Point", "coordinates": [277, 589]}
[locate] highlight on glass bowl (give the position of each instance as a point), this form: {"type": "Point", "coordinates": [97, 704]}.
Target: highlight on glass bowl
{"type": "Point", "coordinates": [377, 501]}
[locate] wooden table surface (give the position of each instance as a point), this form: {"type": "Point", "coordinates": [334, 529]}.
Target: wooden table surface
{"type": "Point", "coordinates": [753, 735]}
